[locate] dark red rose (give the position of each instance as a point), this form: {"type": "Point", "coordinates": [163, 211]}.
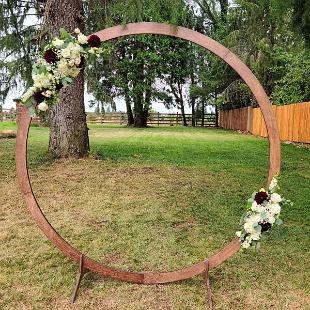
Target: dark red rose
{"type": "Point", "coordinates": [50, 56]}
{"type": "Point", "coordinates": [38, 97]}
{"type": "Point", "coordinates": [94, 41]}
{"type": "Point", "coordinates": [59, 86]}
{"type": "Point", "coordinates": [265, 226]}
{"type": "Point", "coordinates": [260, 197]}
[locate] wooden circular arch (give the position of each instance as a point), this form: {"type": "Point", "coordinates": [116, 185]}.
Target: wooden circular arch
{"type": "Point", "coordinates": [231, 59]}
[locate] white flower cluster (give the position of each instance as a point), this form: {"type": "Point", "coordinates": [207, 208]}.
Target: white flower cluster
{"type": "Point", "coordinates": [59, 64]}
{"type": "Point", "coordinates": [263, 211]}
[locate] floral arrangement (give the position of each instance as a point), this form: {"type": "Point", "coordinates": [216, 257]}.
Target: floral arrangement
{"type": "Point", "coordinates": [60, 62]}
{"type": "Point", "coordinates": [263, 211]}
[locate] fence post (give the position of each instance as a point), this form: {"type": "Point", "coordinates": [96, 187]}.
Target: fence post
{"type": "Point", "coordinates": [157, 118]}
{"type": "Point", "coordinates": [177, 118]}
{"type": "Point", "coordinates": [249, 120]}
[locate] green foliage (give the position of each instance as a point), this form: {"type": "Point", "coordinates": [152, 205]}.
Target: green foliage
{"type": "Point", "coordinates": [18, 43]}
{"type": "Point", "coordinates": [293, 84]}
{"type": "Point", "coordinates": [132, 65]}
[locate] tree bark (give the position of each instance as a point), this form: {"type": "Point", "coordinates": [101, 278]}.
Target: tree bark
{"type": "Point", "coordinates": [193, 100]}
{"type": "Point", "coordinates": [67, 120]}
{"type": "Point", "coordinates": [202, 114]}
{"type": "Point", "coordinates": [216, 116]}
{"type": "Point", "coordinates": [140, 111]}
{"type": "Point", "coordinates": [182, 105]}
{"type": "Point", "coordinates": [130, 118]}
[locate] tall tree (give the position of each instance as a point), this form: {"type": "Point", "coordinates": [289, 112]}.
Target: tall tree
{"type": "Point", "coordinates": [67, 120]}
{"type": "Point", "coordinates": [19, 40]}
{"type": "Point", "coordinates": [135, 67]}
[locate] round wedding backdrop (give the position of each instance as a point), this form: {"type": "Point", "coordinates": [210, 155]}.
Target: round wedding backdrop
{"type": "Point", "coordinates": [87, 263]}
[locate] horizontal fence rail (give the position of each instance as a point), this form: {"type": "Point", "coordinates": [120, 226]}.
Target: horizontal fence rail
{"type": "Point", "coordinates": [159, 119]}
{"type": "Point", "coordinates": [120, 118]}
{"type": "Point", "coordinates": [8, 115]}
{"type": "Point", "coordinates": [293, 121]}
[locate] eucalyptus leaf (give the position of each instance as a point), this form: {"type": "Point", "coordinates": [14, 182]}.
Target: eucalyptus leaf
{"type": "Point", "coordinates": [32, 111]}
{"type": "Point", "coordinates": [279, 222]}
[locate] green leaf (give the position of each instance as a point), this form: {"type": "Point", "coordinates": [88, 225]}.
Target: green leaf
{"type": "Point", "coordinates": [279, 222]}
{"type": "Point", "coordinates": [66, 81]}
{"type": "Point", "coordinates": [64, 33]}
{"type": "Point", "coordinates": [249, 205]}
{"type": "Point", "coordinates": [32, 111]}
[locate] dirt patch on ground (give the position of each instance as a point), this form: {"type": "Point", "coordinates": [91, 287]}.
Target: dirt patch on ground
{"type": "Point", "coordinates": [7, 134]}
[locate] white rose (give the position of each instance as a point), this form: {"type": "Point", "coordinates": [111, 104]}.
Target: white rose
{"type": "Point", "coordinates": [275, 198]}
{"type": "Point", "coordinates": [63, 68]}
{"type": "Point", "coordinates": [249, 228]}
{"type": "Point", "coordinates": [254, 206]}
{"type": "Point", "coordinates": [42, 80]}
{"type": "Point", "coordinates": [77, 61]}
{"type": "Point", "coordinates": [73, 47]}
{"type": "Point", "coordinates": [77, 30]}
{"type": "Point", "coordinates": [48, 93]}
{"type": "Point", "coordinates": [273, 184]}
{"type": "Point", "coordinates": [275, 208]}
{"type": "Point", "coordinates": [65, 53]}
{"type": "Point", "coordinates": [271, 219]}
{"type": "Point", "coordinates": [71, 63]}
{"type": "Point", "coordinates": [246, 244]}
{"type": "Point", "coordinates": [238, 234]}
{"type": "Point", "coordinates": [82, 39]}
{"type": "Point", "coordinates": [42, 106]}
{"type": "Point", "coordinates": [255, 236]}
{"type": "Point", "coordinates": [253, 219]}
{"type": "Point", "coordinates": [58, 43]}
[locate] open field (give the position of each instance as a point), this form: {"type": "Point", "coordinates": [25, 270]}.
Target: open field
{"type": "Point", "coordinates": [153, 199]}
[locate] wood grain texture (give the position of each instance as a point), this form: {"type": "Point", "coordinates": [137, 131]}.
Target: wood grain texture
{"type": "Point", "coordinates": [293, 121]}
{"type": "Point", "coordinates": [148, 277]}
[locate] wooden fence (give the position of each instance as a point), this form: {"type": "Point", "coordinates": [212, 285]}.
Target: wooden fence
{"type": "Point", "coordinates": [293, 121]}
{"type": "Point", "coordinates": [7, 115]}
{"type": "Point", "coordinates": [157, 119]}
{"type": "Point", "coordinates": [120, 118]}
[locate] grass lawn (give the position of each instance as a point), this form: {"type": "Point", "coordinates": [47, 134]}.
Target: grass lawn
{"type": "Point", "coordinates": [153, 199]}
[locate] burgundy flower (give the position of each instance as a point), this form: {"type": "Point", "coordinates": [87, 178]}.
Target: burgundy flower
{"type": "Point", "coordinates": [265, 226]}
{"type": "Point", "coordinates": [38, 97]}
{"type": "Point", "coordinates": [94, 41]}
{"type": "Point", "coordinates": [50, 56]}
{"type": "Point", "coordinates": [59, 86]}
{"type": "Point", "coordinates": [260, 197]}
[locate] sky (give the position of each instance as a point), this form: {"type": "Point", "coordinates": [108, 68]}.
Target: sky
{"type": "Point", "coordinates": [120, 104]}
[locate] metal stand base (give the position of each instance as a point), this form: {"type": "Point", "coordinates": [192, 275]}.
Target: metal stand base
{"type": "Point", "coordinates": [79, 278]}
{"type": "Point", "coordinates": [207, 281]}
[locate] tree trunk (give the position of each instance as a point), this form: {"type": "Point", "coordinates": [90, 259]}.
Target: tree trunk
{"type": "Point", "coordinates": [192, 97]}
{"type": "Point", "coordinates": [216, 116]}
{"type": "Point", "coordinates": [181, 101]}
{"type": "Point", "coordinates": [140, 113]}
{"type": "Point", "coordinates": [141, 118]}
{"type": "Point", "coordinates": [202, 114]}
{"type": "Point", "coordinates": [193, 112]}
{"type": "Point", "coordinates": [130, 118]}
{"type": "Point", "coordinates": [67, 120]}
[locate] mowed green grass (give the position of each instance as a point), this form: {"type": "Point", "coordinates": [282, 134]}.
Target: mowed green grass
{"type": "Point", "coordinates": [153, 199]}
